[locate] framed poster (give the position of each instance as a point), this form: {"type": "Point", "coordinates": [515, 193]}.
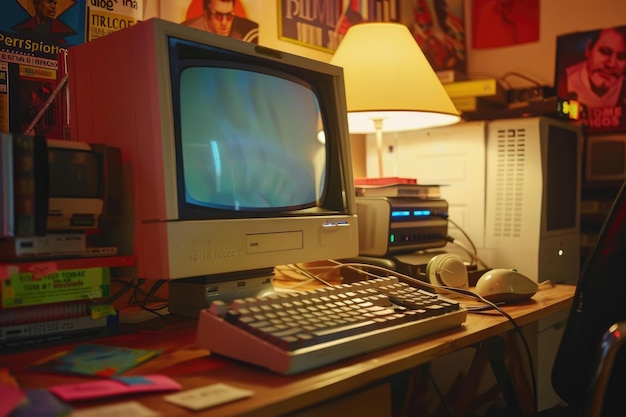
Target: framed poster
{"type": "Point", "coordinates": [322, 25]}
{"type": "Point", "coordinates": [590, 68]}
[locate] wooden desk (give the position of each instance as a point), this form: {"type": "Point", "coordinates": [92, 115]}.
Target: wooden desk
{"type": "Point", "coordinates": [280, 395]}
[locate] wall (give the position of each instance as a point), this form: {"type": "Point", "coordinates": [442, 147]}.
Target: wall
{"type": "Point", "coordinates": [537, 60]}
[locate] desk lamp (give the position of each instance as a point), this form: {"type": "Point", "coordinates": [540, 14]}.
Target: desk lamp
{"type": "Point", "coordinates": [389, 82]}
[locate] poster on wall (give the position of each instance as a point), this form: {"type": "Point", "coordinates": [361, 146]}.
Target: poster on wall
{"type": "Point", "coordinates": [590, 68]}
{"type": "Point", "coordinates": [438, 27]}
{"type": "Point", "coordinates": [224, 17]}
{"type": "Point", "coordinates": [503, 23]}
{"type": "Point", "coordinates": [322, 25]}
{"type": "Point", "coordinates": [59, 21]}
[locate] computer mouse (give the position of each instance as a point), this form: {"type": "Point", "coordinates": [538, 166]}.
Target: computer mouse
{"type": "Point", "coordinates": [505, 286]}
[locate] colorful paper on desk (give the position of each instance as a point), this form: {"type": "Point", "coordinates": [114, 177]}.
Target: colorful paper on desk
{"type": "Point", "coordinates": [12, 397]}
{"type": "Point", "coordinates": [115, 386]}
{"type": "Point", "coordinates": [208, 396]}
{"type": "Point", "coordinates": [96, 360]}
{"type": "Point", "coordinates": [41, 403]}
{"type": "Point", "coordinates": [126, 409]}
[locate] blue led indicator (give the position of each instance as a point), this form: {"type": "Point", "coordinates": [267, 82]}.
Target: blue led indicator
{"type": "Point", "coordinates": [392, 238]}
{"type": "Point", "coordinates": [400, 213]}
{"type": "Point", "coordinates": [420, 213]}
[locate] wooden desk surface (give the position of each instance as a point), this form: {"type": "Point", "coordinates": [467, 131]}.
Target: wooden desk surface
{"type": "Point", "coordinates": [277, 394]}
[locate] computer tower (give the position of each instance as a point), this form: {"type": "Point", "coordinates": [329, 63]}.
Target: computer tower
{"type": "Point", "coordinates": [513, 185]}
{"type": "Point", "coordinates": [532, 209]}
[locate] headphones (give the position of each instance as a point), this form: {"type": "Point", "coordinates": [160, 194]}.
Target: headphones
{"type": "Point", "coordinates": [447, 270]}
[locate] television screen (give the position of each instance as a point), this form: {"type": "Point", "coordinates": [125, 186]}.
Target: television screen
{"type": "Point", "coordinates": [249, 140]}
{"type": "Point", "coordinates": [74, 173]}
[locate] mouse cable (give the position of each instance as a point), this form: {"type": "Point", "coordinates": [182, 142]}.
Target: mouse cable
{"type": "Point", "coordinates": [463, 292]}
{"type": "Point", "coordinates": [473, 254]}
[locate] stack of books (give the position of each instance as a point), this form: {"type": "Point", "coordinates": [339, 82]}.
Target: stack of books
{"type": "Point", "coordinates": [46, 301]}
{"type": "Point", "coordinates": [395, 187]}
{"type": "Point", "coordinates": [477, 96]}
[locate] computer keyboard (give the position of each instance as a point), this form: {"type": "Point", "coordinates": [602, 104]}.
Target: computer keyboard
{"type": "Point", "coordinates": [290, 333]}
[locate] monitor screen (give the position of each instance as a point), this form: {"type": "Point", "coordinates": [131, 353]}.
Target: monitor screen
{"type": "Point", "coordinates": [74, 173]}
{"type": "Point", "coordinates": [249, 140]}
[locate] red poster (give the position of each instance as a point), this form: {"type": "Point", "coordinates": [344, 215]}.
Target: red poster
{"type": "Point", "coordinates": [498, 23]}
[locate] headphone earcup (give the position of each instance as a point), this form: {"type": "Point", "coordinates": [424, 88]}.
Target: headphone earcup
{"type": "Point", "coordinates": [447, 270]}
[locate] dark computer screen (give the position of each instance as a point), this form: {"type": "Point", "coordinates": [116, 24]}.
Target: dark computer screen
{"type": "Point", "coordinates": [73, 173]}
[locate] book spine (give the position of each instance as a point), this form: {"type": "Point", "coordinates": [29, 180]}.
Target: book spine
{"type": "Point", "coordinates": [472, 104]}
{"type": "Point", "coordinates": [35, 334]}
{"type": "Point", "coordinates": [417, 192]}
{"type": "Point", "coordinates": [4, 96]}
{"type": "Point", "coordinates": [7, 218]}
{"type": "Point", "coordinates": [44, 287]}
{"type": "Point", "coordinates": [450, 76]}
{"type": "Point", "coordinates": [488, 88]}
{"type": "Point", "coordinates": [42, 313]}
{"type": "Point", "coordinates": [30, 169]}
{"type": "Point", "coordinates": [384, 181]}
{"type": "Point", "coordinates": [60, 264]}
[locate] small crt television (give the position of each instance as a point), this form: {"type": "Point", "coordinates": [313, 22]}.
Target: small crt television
{"type": "Point", "coordinates": [605, 157]}
{"type": "Point", "coordinates": [236, 156]}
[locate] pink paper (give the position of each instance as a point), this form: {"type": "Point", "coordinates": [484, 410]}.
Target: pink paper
{"type": "Point", "coordinates": [11, 398]}
{"type": "Point", "coordinates": [116, 386]}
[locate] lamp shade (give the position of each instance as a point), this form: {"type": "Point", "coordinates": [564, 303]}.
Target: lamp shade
{"type": "Point", "coordinates": [388, 78]}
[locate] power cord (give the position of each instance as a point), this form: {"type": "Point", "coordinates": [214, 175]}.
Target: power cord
{"type": "Point", "coordinates": [488, 305]}
{"type": "Point", "coordinates": [473, 253]}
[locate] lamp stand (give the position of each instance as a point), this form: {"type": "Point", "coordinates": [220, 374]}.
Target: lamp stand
{"type": "Point", "coordinates": [378, 125]}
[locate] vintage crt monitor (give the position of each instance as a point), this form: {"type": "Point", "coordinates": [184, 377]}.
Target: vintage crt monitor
{"type": "Point", "coordinates": [238, 156]}
{"type": "Point", "coordinates": [513, 185]}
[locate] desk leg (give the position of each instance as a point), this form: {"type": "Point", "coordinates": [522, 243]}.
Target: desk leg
{"type": "Point", "coordinates": [462, 398]}
{"type": "Point", "coordinates": [508, 365]}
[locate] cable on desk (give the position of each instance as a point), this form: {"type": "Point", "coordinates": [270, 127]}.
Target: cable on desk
{"type": "Point", "coordinates": [473, 254]}
{"type": "Point", "coordinates": [459, 291]}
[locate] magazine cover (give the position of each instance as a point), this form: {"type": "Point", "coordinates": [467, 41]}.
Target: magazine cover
{"type": "Point", "coordinates": [107, 16]}
{"type": "Point", "coordinates": [590, 68]}
{"type": "Point", "coordinates": [56, 21]}
{"type": "Point", "coordinates": [226, 18]}
{"type": "Point", "coordinates": [31, 102]}
{"type": "Point", "coordinates": [96, 360]}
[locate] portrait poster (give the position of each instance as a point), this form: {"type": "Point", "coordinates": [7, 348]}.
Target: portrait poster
{"type": "Point", "coordinates": [590, 68]}
{"type": "Point", "coordinates": [438, 27]}
{"type": "Point", "coordinates": [65, 25]}
{"type": "Point", "coordinates": [322, 24]}
{"type": "Point", "coordinates": [234, 19]}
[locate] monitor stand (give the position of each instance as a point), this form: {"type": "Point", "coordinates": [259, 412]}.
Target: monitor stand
{"type": "Point", "coordinates": [188, 296]}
